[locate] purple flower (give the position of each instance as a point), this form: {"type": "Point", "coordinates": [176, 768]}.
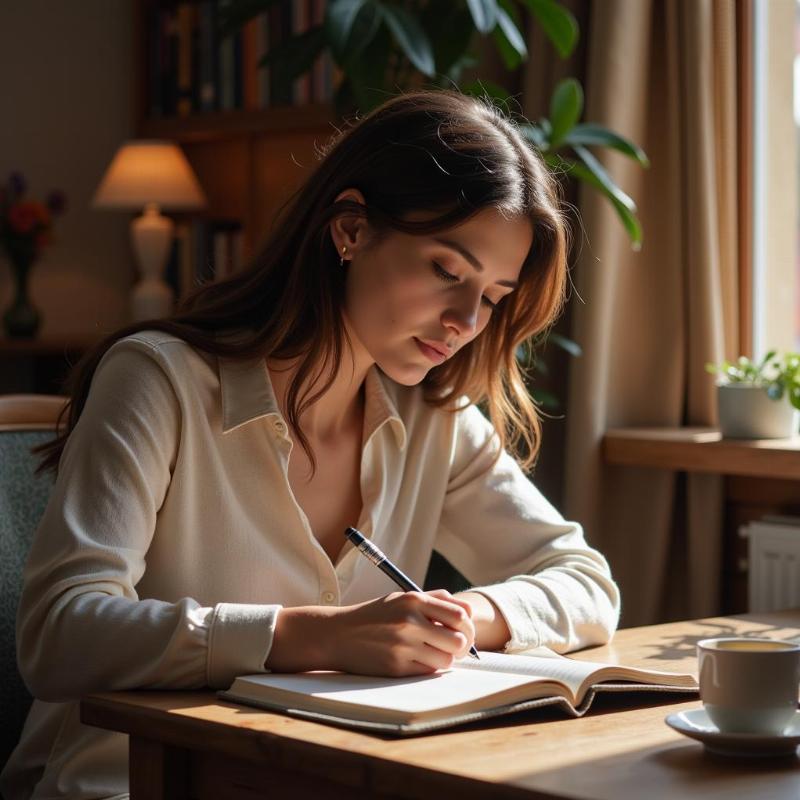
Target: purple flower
{"type": "Point", "coordinates": [17, 184]}
{"type": "Point", "coordinates": [56, 202]}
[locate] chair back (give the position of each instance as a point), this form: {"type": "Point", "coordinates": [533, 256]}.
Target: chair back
{"type": "Point", "coordinates": [25, 421]}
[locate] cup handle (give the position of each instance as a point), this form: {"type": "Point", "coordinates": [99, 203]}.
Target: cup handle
{"type": "Point", "coordinates": [709, 661]}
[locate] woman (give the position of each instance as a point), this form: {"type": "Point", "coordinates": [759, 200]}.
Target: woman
{"type": "Point", "coordinates": [212, 461]}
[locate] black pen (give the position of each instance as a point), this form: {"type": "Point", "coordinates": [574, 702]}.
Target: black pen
{"type": "Point", "coordinates": [377, 557]}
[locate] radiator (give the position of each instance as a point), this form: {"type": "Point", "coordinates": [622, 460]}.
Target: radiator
{"type": "Point", "coordinates": [773, 581]}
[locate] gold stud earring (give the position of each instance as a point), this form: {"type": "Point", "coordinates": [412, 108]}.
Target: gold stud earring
{"type": "Point", "coordinates": [341, 260]}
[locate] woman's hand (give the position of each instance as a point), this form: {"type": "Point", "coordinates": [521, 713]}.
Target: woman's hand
{"type": "Point", "coordinates": [403, 633]}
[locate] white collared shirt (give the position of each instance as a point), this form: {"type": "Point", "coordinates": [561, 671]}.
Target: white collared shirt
{"type": "Point", "coordinates": [172, 539]}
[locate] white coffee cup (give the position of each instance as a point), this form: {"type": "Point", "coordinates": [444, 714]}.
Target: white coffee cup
{"type": "Point", "coordinates": [749, 685]}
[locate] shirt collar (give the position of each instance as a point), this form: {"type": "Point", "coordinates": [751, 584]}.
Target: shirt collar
{"type": "Point", "coordinates": [246, 392]}
{"type": "Point", "coordinates": [247, 395]}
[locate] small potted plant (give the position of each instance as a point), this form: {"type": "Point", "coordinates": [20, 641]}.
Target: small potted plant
{"type": "Point", "coordinates": [758, 400]}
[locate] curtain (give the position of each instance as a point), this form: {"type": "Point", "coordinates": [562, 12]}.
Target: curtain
{"type": "Point", "coordinates": [661, 72]}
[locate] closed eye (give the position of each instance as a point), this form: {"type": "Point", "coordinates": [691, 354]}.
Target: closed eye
{"type": "Point", "coordinates": [448, 277]}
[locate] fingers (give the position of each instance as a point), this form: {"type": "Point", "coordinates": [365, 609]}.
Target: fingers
{"type": "Point", "coordinates": [442, 624]}
{"type": "Point", "coordinates": [443, 593]}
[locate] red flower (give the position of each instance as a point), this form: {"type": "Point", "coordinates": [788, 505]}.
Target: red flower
{"type": "Point", "coordinates": [23, 217]}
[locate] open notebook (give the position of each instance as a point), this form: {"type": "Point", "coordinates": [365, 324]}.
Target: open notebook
{"type": "Point", "coordinates": [471, 690]}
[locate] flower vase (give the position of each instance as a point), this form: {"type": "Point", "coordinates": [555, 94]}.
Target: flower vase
{"type": "Point", "coordinates": [21, 320]}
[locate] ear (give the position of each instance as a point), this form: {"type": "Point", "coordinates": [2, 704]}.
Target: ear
{"type": "Point", "coordinates": [347, 230]}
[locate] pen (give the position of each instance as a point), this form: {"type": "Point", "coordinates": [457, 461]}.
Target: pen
{"type": "Point", "coordinates": [377, 557]}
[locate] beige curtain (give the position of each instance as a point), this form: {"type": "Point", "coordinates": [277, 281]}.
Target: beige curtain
{"type": "Point", "coordinates": [661, 72]}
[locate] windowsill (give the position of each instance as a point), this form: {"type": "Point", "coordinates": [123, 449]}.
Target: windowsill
{"type": "Point", "coordinates": [702, 450]}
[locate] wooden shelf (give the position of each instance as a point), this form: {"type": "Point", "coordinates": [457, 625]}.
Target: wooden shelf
{"type": "Point", "coordinates": [234, 124]}
{"type": "Point", "coordinates": [46, 347]}
{"type": "Point", "coordinates": [702, 450]}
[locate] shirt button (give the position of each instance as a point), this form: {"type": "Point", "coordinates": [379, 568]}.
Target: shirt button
{"type": "Point", "coordinates": [280, 426]}
{"type": "Point", "coordinates": [328, 597]}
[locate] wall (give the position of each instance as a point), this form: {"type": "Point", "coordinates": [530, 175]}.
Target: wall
{"type": "Point", "coordinates": [66, 72]}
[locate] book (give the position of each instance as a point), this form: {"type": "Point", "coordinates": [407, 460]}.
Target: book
{"type": "Point", "coordinates": [471, 690]}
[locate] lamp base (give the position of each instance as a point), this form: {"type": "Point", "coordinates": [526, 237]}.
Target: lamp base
{"type": "Point", "coordinates": [151, 298]}
{"type": "Point", "coordinates": [151, 236]}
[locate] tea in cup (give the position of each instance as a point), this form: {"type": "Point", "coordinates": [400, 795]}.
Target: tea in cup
{"type": "Point", "coordinates": [749, 685]}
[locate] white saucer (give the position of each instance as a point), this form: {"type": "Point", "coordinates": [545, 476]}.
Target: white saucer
{"type": "Point", "coordinates": [696, 724]}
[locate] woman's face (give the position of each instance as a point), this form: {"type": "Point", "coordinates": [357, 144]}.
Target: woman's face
{"type": "Point", "coordinates": [408, 297]}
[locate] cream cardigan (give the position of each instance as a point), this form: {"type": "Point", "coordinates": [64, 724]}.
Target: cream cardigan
{"type": "Point", "coordinates": [172, 540]}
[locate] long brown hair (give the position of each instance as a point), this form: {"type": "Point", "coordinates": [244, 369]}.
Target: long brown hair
{"type": "Point", "coordinates": [435, 151]}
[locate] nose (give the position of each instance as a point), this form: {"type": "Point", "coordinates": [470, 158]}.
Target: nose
{"type": "Point", "coordinates": [462, 316]}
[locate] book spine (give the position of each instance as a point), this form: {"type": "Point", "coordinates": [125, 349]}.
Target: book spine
{"type": "Point", "coordinates": [222, 255]}
{"type": "Point", "coordinates": [238, 87]}
{"type": "Point", "coordinates": [238, 250]}
{"type": "Point", "coordinates": [186, 276]}
{"type": "Point", "coordinates": [155, 106]}
{"type": "Point", "coordinates": [262, 49]}
{"type": "Point", "coordinates": [208, 56]}
{"type": "Point", "coordinates": [225, 70]}
{"type": "Point", "coordinates": [169, 60]}
{"type": "Point", "coordinates": [278, 14]}
{"type": "Point", "coordinates": [318, 69]}
{"type": "Point", "coordinates": [184, 75]}
{"type": "Point", "coordinates": [301, 89]}
{"type": "Point", "coordinates": [250, 65]}
{"type": "Point", "coordinates": [203, 266]}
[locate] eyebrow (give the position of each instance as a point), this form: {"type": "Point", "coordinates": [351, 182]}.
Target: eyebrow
{"type": "Point", "coordinates": [467, 256]}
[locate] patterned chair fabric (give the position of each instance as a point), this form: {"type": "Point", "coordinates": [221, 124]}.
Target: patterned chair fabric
{"type": "Point", "coordinates": [22, 502]}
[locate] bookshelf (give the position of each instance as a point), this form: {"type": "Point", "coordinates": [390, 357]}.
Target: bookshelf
{"type": "Point", "coordinates": [249, 157]}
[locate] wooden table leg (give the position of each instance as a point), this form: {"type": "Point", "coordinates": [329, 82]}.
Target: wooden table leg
{"type": "Point", "coordinates": [157, 771]}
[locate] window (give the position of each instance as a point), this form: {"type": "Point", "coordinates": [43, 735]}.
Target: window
{"type": "Point", "coordinates": [776, 226]}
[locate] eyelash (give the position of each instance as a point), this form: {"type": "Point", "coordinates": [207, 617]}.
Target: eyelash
{"type": "Point", "coordinates": [450, 278]}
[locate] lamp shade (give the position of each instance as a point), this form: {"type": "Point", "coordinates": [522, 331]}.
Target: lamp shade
{"type": "Point", "coordinates": [149, 171]}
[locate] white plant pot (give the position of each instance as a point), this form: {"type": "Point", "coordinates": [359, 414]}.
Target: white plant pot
{"type": "Point", "coordinates": [748, 412]}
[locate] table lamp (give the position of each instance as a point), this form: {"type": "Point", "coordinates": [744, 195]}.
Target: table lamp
{"type": "Point", "coordinates": [150, 174]}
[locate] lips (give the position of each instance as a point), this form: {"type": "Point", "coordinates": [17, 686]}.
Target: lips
{"type": "Point", "coordinates": [434, 351]}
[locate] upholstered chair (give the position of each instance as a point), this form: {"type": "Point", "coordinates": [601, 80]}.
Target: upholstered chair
{"type": "Point", "coordinates": [25, 421]}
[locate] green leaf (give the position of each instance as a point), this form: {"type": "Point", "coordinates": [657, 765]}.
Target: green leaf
{"type": "Point", "coordinates": [559, 24]}
{"type": "Point", "coordinates": [294, 56]}
{"type": "Point", "coordinates": [768, 357]}
{"type": "Point", "coordinates": [509, 40]}
{"type": "Point", "coordinates": [623, 205]}
{"type": "Point", "coordinates": [599, 173]}
{"type": "Point", "coordinates": [408, 33]}
{"type": "Point", "coordinates": [365, 31]}
{"type": "Point", "coordinates": [535, 134]}
{"type": "Point", "coordinates": [484, 14]}
{"type": "Point", "coordinates": [340, 16]}
{"type": "Point", "coordinates": [365, 74]}
{"type": "Point", "coordinates": [590, 134]}
{"type": "Point", "coordinates": [450, 28]}
{"type": "Point", "coordinates": [235, 14]}
{"type": "Point", "coordinates": [566, 106]}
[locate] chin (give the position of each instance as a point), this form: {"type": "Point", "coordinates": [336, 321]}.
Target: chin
{"type": "Point", "coordinates": [405, 375]}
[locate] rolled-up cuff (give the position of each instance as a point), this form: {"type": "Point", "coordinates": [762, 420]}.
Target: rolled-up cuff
{"type": "Point", "coordinates": [239, 641]}
{"type": "Point", "coordinates": [517, 612]}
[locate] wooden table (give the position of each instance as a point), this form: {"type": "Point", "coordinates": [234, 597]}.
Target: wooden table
{"type": "Point", "coordinates": [190, 745]}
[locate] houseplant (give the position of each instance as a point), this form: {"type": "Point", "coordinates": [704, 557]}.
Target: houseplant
{"type": "Point", "coordinates": [758, 400]}
{"type": "Point", "coordinates": [25, 229]}
{"type": "Point", "coordinates": [384, 46]}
